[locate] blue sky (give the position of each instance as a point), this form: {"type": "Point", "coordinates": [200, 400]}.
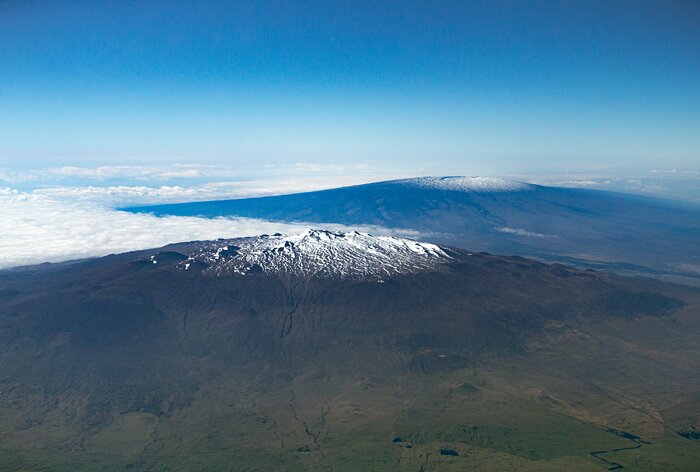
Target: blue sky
{"type": "Point", "coordinates": [407, 87]}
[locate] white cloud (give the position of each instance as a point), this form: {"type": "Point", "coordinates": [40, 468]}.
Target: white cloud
{"type": "Point", "coordinates": [118, 186]}
{"type": "Point", "coordinates": [166, 173]}
{"type": "Point", "coordinates": [330, 168]}
{"type": "Point", "coordinates": [691, 172]}
{"type": "Point", "coordinates": [124, 195]}
{"type": "Point", "coordinates": [576, 183]}
{"type": "Point", "coordinates": [118, 195]}
{"type": "Point", "coordinates": [140, 172]}
{"type": "Point", "coordinates": [104, 173]}
{"type": "Point", "coordinates": [524, 232]}
{"type": "Point", "coordinates": [37, 228]}
{"type": "Point", "coordinates": [68, 213]}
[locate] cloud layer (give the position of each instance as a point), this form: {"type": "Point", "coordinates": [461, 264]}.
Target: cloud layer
{"type": "Point", "coordinates": [123, 195]}
{"type": "Point", "coordinates": [36, 228]}
{"type": "Point", "coordinates": [167, 174]}
{"type": "Point", "coordinates": [104, 173]}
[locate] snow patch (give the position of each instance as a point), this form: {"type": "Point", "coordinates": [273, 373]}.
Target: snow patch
{"type": "Point", "coordinates": [466, 184]}
{"type": "Point", "coordinates": [319, 253]}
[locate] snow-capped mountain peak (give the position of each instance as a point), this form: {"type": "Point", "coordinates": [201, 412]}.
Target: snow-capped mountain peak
{"type": "Point", "coordinates": [318, 252]}
{"type": "Point", "coordinates": [466, 184]}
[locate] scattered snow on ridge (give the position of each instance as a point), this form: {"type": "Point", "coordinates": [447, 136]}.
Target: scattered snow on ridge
{"type": "Point", "coordinates": [466, 184]}
{"type": "Point", "coordinates": [317, 252]}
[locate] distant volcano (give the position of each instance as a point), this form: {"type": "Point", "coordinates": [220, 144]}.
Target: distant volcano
{"type": "Point", "coordinates": [589, 228]}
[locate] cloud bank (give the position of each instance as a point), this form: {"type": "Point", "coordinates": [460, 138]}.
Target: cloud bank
{"type": "Point", "coordinates": [186, 173]}
{"type": "Point", "coordinates": [36, 228]}
{"type": "Point", "coordinates": [104, 173]}
{"type": "Point", "coordinates": [124, 195]}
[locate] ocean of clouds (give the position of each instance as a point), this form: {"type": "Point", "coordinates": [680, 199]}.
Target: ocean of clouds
{"type": "Point", "coordinates": [38, 227]}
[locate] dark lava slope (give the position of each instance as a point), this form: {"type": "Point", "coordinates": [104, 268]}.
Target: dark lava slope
{"type": "Point", "coordinates": [88, 347]}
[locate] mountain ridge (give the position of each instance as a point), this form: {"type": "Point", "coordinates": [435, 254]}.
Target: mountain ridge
{"type": "Point", "coordinates": [589, 228]}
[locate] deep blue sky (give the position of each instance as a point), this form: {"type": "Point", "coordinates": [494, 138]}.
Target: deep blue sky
{"type": "Point", "coordinates": [415, 86]}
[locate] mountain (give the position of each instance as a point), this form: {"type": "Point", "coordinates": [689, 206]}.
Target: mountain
{"type": "Point", "coordinates": [318, 253]}
{"type": "Point", "coordinates": [343, 351]}
{"type": "Point", "coordinates": [588, 228]}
